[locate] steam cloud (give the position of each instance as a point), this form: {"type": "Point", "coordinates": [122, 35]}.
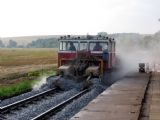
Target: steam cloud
{"type": "Point", "coordinates": [40, 83]}
{"type": "Point", "coordinates": [132, 53]}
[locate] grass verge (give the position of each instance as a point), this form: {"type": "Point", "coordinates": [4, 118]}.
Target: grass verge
{"type": "Point", "coordinates": [15, 89]}
{"type": "Point", "coordinates": [24, 85]}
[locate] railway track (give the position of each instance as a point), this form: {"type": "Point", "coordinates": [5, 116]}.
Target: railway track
{"type": "Point", "coordinates": [58, 107]}
{"type": "Point", "coordinates": [9, 107]}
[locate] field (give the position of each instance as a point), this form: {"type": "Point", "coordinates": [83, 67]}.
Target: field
{"type": "Point", "coordinates": [17, 57]}
{"type": "Point", "coordinates": [19, 60]}
{"type": "Point", "coordinates": [18, 66]}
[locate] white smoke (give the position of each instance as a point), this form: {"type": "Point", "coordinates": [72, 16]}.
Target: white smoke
{"type": "Point", "coordinates": [132, 53]}
{"type": "Point", "coordinates": [40, 83]}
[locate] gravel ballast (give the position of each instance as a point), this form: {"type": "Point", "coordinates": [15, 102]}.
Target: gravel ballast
{"type": "Point", "coordinates": [40, 106]}
{"type": "Point", "coordinates": [21, 97]}
{"type": "Point", "coordinates": [32, 110]}
{"type": "Point", "coordinates": [45, 86]}
{"type": "Point", "coordinates": [71, 109]}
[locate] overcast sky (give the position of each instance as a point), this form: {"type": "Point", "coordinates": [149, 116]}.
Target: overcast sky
{"type": "Point", "coordinates": [49, 17]}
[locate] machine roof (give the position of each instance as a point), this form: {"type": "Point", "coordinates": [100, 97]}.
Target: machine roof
{"type": "Point", "coordinates": [85, 38]}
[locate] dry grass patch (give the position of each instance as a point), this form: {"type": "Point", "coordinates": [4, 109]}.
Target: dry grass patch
{"type": "Point", "coordinates": [19, 56]}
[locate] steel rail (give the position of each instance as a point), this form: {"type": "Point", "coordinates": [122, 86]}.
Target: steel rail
{"type": "Point", "coordinates": [5, 108]}
{"type": "Point", "coordinates": [60, 105]}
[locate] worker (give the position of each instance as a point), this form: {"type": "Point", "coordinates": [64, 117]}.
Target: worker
{"type": "Point", "coordinates": [72, 47]}
{"type": "Point", "coordinates": [97, 47]}
{"type": "Point", "coordinates": [105, 54]}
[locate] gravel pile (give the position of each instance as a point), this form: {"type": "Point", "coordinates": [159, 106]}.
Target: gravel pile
{"type": "Point", "coordinates": [68, 84]}
{"type": "Point", "coordinates": [22, 96]}
{"type": "Point", "coordinates": [51, 80]}
{"type": "Point", "coordinates": [71, 109]}
{"type": "Point", "coordinates": [40, 106]}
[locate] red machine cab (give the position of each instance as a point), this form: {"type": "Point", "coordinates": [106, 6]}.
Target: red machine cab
{"type": "Point", "coordinates": [85, 55]}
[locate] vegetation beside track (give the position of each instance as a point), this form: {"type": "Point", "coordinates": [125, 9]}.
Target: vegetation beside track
{"type": "Point", "coordinates": [21, 68]}
{"type": "Point", "coordinates": [25, 84]}
{"type": "Point", "coordinates": [11, 90]}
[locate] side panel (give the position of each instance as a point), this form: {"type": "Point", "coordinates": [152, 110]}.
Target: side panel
{"type": "Point", "coordinates": [105, 62]}
{"type": "Point", "coordinates": [110, 60]}
{"type": "Point", "coordinates": [65, 56]}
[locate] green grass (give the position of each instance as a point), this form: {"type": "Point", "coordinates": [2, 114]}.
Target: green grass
{"type": "Point", "coordinates": [25, 85]}
{"type": "Point", "coordinates": [14, 89]}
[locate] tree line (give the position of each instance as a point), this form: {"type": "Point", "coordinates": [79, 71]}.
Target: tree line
{"type": "Point", "coordinates": [39, 43]}
{"type": "Point", "coordinates": [11, 44]}
{"type": "Point", "coordinates": [144, 41]}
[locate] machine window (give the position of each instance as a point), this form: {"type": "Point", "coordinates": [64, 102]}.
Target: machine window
{"type": "Point", "coordinates": [83, 46]}
{"type": "Point", "coordinates": [72, 46]}
{"type": "Point", "coordinates": [68, 46]}
{"type": "Point", "coordinates": [98, 46]}
{"type": "Point", "coordinates": [61, 46]}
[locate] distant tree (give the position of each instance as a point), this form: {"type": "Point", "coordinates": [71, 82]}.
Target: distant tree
{"type": "Point", "coordinates": [20, 46]}
{"type": "Point", "coordinates": [1, 44]}
{"type": "Point", "coordinates": [12, 44]}
{"type": "Point", "coordinates": [44, 43]}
